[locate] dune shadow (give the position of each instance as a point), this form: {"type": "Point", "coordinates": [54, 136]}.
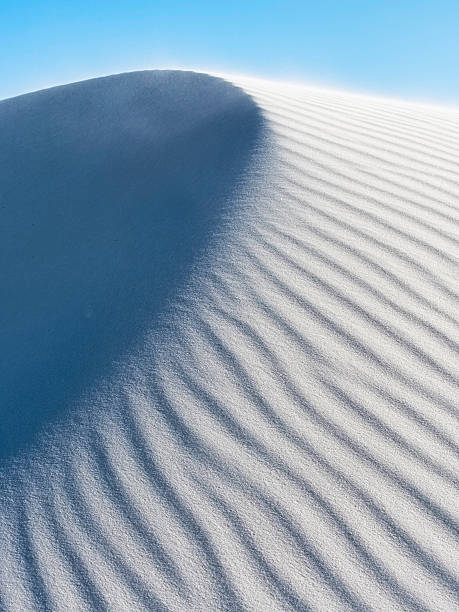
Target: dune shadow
{"type": "Point", "coordinates": [110, 189]}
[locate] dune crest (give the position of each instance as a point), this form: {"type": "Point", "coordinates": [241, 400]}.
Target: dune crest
{"type": "Point", "coordinates": [285, 437]}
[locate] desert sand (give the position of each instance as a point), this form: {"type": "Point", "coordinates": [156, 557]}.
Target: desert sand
{"type": "Point", "coordinates": [230, 332]}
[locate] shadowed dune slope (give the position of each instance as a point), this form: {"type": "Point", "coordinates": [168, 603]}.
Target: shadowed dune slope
{"type": "Point", "coordinates": [109, 189]}
{"type": "Point", "coordinates": [283, 435]}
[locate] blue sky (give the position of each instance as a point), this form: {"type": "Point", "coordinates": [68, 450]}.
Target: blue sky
{"type": "Point", "coordinates": [403, 48]}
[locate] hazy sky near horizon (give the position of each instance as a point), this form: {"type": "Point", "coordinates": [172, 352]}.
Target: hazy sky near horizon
{"type": "Point", "coordinates": [401, 48]}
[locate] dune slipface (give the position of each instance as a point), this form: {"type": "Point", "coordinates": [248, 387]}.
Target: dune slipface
{"type": "Point", "coordinates": [259, 411]}
{"type": "Point", "coordinates": [110, 188]}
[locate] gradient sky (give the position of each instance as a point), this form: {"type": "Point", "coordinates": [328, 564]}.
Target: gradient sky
{"type": "Point", "coordinates": [401, 48]}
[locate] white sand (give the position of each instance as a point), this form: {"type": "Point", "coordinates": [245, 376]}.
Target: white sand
{"type": "Point", "coordinates": [282, 434]}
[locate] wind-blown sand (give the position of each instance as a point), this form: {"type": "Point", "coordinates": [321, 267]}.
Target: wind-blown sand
{"type": "Point", "coordinates": [230, 333]}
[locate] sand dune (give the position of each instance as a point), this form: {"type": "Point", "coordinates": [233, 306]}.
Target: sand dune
{"type": "Point", "coordinates": [230, 374]}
